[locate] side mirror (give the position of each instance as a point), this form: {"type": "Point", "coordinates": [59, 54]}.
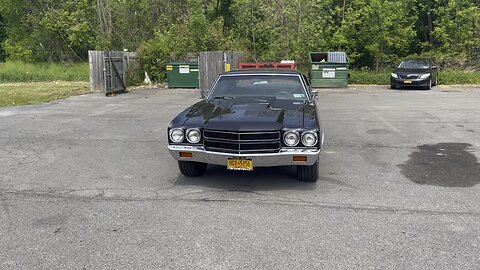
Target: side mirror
{"type": "Point", "coordinates": [315, 93]}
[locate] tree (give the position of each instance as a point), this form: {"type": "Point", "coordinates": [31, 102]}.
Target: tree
{"type": "Point", "coordinates": [374, 33]}
{"type": "Point", "coordinates": [458, 33]}
{"type": "Point", "coordinates": [3, 36]}
{"type": "Point", "coordinates": [177, 41]}
{"type": "Point", "coordinates": [51, 30]}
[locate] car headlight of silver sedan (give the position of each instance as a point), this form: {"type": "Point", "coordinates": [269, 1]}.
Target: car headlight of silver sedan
{"type": "Point", "coordinates": [291, 138]}
{"type": "Point", "coordinates": [193, 135]}
{"type": "Point", "coordinates": [176, 135]}
{"type": "Point", "coordinates": [424, 76]}
{"type": "Point", "coordinates": [309, 138]}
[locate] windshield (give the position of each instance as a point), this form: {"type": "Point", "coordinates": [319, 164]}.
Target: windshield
{"type": "Point", "coordinates": [414, 64]}
{"type": "Point", "coordinates": [276, 86]}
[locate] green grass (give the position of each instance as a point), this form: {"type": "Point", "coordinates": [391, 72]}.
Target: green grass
{"type": "Point", "coordinates": [458, 77]}
{"type": "Point", "coordinates": [445, 77]}
{"type": "Point", "coordinates": [43, 72]}
{"type": "Point", "coordinates": [12, 94]}
{"type": "Point", "coordinates": [369, 77]}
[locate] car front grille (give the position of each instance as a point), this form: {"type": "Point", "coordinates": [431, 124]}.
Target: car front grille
{"type": "Point", "coordinates": [242, 142]}
{"type": "Point", "coordinates": [409, 76]}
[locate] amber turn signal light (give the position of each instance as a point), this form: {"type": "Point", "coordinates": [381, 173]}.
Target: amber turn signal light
{"type": "Point", "coordinates": [186, 155]}
{"type": "Point", "coordinates": [299, 159]}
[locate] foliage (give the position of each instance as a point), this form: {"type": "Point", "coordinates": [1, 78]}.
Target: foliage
{"type": "Point", "coordinates": [47, 30]}
{"type": "Point", "coordinates": [374, 33]}
{"type": "Point", "coordinates": [43, 72]}
{"type": "Point", "coordinates": [3, 36]}
{"type": "Point", "coordinates": [449, 77]}
{"type": "Point", "coordinates": [458, 32]}
{"type": "Point", "coordinates": [367, 77]}
{"type": "Point", "coordinates": [176, 42]}
{"type": "Point", "coordinates": [30, 93]}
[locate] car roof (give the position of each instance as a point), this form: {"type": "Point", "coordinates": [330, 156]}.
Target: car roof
{"type": "Point", "coordinates": [263, 71]}
{"type": "Point", "coordinates": [416, 59]}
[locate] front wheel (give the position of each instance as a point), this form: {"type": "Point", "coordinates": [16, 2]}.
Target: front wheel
{"type": "Point", "coordinates": [308, 173]}
{"type": "Point", "coordinates": [191, 168]}
{"type": "Point", "coordinates": [429, 86]}
{"type": "Point", "coordinates": [393, 86]}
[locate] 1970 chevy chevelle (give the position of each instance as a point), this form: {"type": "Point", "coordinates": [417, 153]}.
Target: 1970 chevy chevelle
{"type": "Point", "coordinates": [249, 119]}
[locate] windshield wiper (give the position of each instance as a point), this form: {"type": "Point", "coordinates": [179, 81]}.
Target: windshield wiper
{"type": "Point", "coordinates": [223, 97]}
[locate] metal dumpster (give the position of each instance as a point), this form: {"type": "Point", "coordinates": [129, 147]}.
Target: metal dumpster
{"type": "Point", "coordinates": [182, 75]}
{"type": "Point", "coordinates": [328, 69]}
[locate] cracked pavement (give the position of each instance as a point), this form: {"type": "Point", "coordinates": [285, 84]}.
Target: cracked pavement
{"type": "Point", "coordinates": [87, 183]}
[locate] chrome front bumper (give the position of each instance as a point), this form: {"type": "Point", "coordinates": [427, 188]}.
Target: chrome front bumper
{"type": "Point", "coordinates": [283, 158]}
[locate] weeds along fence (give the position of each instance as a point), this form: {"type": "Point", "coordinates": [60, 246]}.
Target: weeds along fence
{"type": "Point", "coordinates": [113, 71]}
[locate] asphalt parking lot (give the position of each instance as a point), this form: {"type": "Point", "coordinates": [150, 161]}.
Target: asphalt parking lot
{"type": "Point", "coordinates": [87, 183]}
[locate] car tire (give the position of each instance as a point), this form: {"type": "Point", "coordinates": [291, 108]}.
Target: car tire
{"type": "Point", "coordinates": [191, 168]}
{"type": "Point", "coordinates": [393, 87]}
{"type": "Point", "coordinates": [429, 86]}
{"type": "Point", "coordinates": [308, 173]}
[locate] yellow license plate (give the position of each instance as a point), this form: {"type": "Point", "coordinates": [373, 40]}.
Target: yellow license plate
{"type": "Point", "coordinates": [407, 82]}
{"type": "Point", "coordinates": [240, 164]}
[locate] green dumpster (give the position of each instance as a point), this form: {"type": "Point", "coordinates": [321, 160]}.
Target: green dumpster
{"type": "Point", "coordinates": [328, 69]}
{"type": "Point", "coordinates": [182, 75]}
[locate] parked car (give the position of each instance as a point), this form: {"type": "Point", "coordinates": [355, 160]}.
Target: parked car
{"type": "Point", "coordinates": [419, 72]}
{"type": "Point", "coordinates": [250, 119]}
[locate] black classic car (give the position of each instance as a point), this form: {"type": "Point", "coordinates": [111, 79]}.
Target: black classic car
{"type": "Point", "coordinates": [418, 72]}
{"type": "Point", "coordinates": [249, 119]}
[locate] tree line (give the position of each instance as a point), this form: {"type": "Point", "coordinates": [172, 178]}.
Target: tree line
{"type": "Point", "coordinates": [374, 33]}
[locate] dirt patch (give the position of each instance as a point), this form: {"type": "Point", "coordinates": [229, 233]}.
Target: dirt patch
{"type": "Point", "coordinates": [443, 164]}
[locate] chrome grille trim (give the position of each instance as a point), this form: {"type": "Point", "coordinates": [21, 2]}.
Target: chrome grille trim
{"type": "Point", "coordinates": [242, 142]}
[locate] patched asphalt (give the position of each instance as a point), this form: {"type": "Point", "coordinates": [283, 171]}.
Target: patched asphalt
{"type": "Point", "coordinates": [87, 183]}
{"type": "Point", "coordinates": [443, 164]}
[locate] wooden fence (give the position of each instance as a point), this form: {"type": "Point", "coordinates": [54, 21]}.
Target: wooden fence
{"type": "Point", "coordinates": [213, 63]}
{"type": "Point", "coordinates": [108, 70]}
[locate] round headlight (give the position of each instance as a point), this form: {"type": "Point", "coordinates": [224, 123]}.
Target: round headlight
{"type": "Point", "coordinates": [291, 138]}
{"type": "Point", "coordinates": [309, 138]}
{"type": "Point", "coordinates": [176, 135]}
{"type": "Point", "coordinates": [193, 135]}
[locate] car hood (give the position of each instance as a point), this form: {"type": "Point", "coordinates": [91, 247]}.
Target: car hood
{"type": "Point", "coordinates": [406, 71]}
{"type": "Point", "coordinates": [249, 114]}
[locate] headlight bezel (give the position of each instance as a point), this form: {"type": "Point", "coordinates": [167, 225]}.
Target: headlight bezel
{"type": "Point", "coordinates": [302, 134]}
{"type": "Point", "coordinates": [311, 133]}
{"type": "Point", "coordinates": [394, 75]}
{"type": "Point", "coordinates": [297, 141]}
{"type": "Point", "coordinates": [170, 135]}
{"type": "Point", "coordinates": [187, 135]}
